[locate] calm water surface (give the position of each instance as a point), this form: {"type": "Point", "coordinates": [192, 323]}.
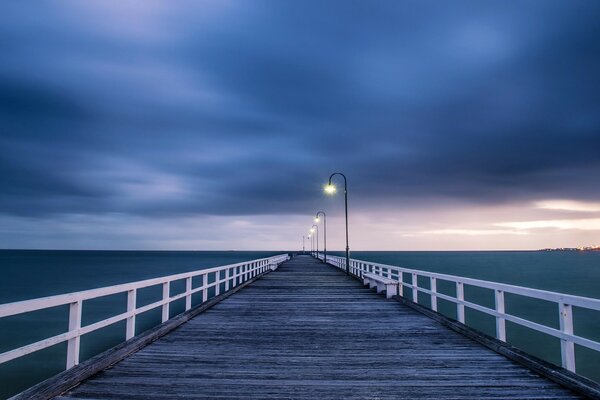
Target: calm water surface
{"type": "Point", "coordinates": [30, 274]}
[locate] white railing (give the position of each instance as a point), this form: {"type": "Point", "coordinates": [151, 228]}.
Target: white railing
{"type": "Point", "coordinates": [234, 275]}
{"type": "Point", "coordinates": [565, 302]}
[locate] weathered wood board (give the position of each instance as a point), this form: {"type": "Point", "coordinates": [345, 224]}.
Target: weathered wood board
{"type": "Point", "coordinates": [306, 331]}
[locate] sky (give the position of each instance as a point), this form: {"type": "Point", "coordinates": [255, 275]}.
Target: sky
{"type": "Point", "coordinates": [207, 125]}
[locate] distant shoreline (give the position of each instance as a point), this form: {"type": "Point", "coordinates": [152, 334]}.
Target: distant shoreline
{"type": "Point", "coordinates": [589, 248]}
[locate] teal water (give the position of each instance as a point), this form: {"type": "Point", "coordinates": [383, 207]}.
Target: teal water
{"type": "Point", "coordinates": [31, 274]}
{"type": "Point", "coordinates": [571, 272]}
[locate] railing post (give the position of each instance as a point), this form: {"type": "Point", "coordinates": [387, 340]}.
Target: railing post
{"type": "Point", "coordinates": [227, 279]}
{"type": "Point", "coordinates": [166, 288]}
{"type": "Point", "coordinates": [74, 343]}
{"type": "Point", "coordinates": [460, 308]}
{"type": "Point", "coordinates": [500, 322]}
{"type": "Point", "coordinates": [433, 285]}
{"type": "Point", "coordinates": [217, 283]}
{"type": "Point", "coordinates": [131, 305]}
{"type": "Point", "coordinates": [205, 289]}
{"type": "Point", "coordinates": [567, 347]}
{"type": "Point", "coordinates": [415, 291]}
{"type": "Point", "coordinates": [400, 284]}
{"type": "Point", "coordinates": [188, 293]}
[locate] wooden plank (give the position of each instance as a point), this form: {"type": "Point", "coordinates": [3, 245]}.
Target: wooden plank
{"type": "Point", "coordinates": [309, 331]}
{"type": "Point", "coordinates": [59, 383]}
{"type": "Point", "coordinates": [562, 376]}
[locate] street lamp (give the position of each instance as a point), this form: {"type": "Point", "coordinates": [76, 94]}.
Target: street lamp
{"type": "Point", "coordinates": [311, 243]}
{"type": "Point", "coordinates": [331, 189]}
{"type": "Point", "coordinates": [303, 244]}
{"type": "Point", "coordinates": [315, 228]}
{"type": "Point", "coordinates": [317, 219]}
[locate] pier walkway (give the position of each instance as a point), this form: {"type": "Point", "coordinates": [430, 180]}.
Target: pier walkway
{"type": "Point", "coordinates": [307, 331]}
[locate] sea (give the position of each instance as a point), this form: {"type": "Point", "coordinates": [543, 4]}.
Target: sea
{"type": "Point", "coordinates": [28, 274]}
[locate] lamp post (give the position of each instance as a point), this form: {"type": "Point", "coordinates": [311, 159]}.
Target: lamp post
{"type": "Point", "coordinates": [324, 233]}
{"type": "Point", "coordinates": [330, 189]}
{"type": "Point", "coordinates": [316, 228]}
{"type": "Point", "coordinates": [311, 243]}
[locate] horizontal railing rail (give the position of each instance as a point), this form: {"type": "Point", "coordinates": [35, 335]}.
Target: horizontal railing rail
{"type": "Point", "coordinates": [565, 302]}
{"type": "Point", "coordinates": [234, 275]}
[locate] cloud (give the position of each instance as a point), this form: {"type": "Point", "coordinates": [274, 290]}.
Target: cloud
{"type": "Point", "coordinates": [474, 232]}
{"type": "Point", "coordinates": [568, 205]}
{"type": "Point", "coordinates": [230, 109]}
{"type": "Point", "coordinates": [589, 224]}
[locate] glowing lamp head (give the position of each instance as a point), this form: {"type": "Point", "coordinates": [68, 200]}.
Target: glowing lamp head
{"type": "Point", "coordinates": [312, 230]}
{"type": "Point", "coordinates": [330, 189]}
{"type": "Point", "coordinates": [317, 220]}
{"type": "Point", "coordinates": [309, 236]}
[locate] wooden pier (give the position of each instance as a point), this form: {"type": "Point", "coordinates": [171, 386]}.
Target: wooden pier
{"type": "Point", "coordinates": [308, 331]}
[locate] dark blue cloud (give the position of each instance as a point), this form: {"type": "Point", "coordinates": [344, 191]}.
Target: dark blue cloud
{"type": "Point", "coordinates": [245, 108]}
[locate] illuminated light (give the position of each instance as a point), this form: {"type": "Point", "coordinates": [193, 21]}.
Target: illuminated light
{"type": "Point", "coordinates": [317, 220]}
{"type": "Point", "coordinates": [309, 236]}
{"type": "Point", "coordinates": [312, 230]}
{"type": "Point", "coordinates": [330, 189]}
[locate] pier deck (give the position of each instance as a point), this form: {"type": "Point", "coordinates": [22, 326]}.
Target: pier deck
{"type": "Point", "coordinates": [307, 331]}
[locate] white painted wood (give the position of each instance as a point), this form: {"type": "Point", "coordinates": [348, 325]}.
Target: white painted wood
{"type": "Point", "coordinates": [101, 324]}
{"type": "Point", "coordinates": [227, 279]}
{"type": "Point", "coordinates": [500, 321]}
{"type": "Point", "coordinates": [390, 286]}
{"type": "Point", "coordinates": [188, 293]}
{"type": "Point", "coordinates": [166, 288]}
{"type": "Point", "coordinates": [460, 307]}
{"type": "Point", "coordinates": [217, 283]}
{"type": "Point", "coordinates": [415, 288]}
{"type": "Point", "coordinates": [75, 301]}
{"type": "Point", "coordinates": [433, 285]}
{"type": "Point", "coordinates": [579, 301]}
{"type": "Point", "coordinates": [131, 305]}
{"type": "Point", "coordinates": [401, 283]}
{"type": "Point", "coordinates": [391, 290]}
{"type": "Point", "coordinates": [41, 303]}
{"type": "Point", "coordinates": [33, 347]}
{"type": "Point", "coordinates": [205, 289]}
{"type": "Point", "coordinates": [523, 322]}
{"type": "Point", "coordinates": [73, 344]}
{"type": "Point", "coordinates": [567, 347]}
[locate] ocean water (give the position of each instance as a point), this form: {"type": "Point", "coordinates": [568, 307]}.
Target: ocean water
{"type": "Point", "coordinates": [571, 272]}
{"type": "Point", "coordinates": [31, 274]}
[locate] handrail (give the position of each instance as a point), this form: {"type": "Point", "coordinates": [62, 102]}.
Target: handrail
{"type": "Point", "coordinates": [565, 302]}
{"type": "Point", "coordinates": [235, 274]}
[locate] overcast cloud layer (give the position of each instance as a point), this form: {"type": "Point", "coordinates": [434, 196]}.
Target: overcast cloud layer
{"type": "Point", "coordinates": [214, 124]}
